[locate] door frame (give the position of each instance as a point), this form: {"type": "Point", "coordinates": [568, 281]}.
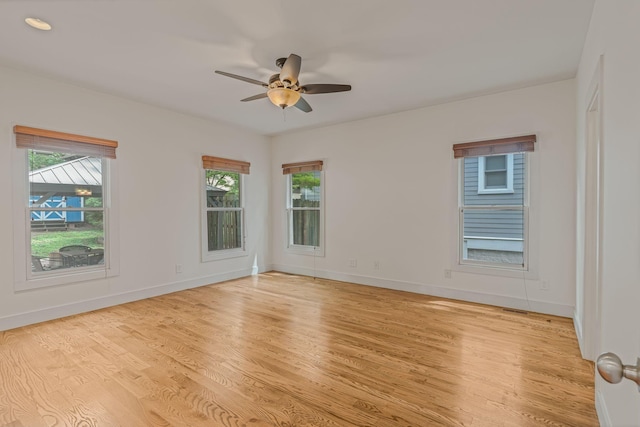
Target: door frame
{"type": "Point", "coordinates": [593, 220]}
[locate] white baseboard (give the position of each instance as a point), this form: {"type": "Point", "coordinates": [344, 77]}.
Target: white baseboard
{"type": "Point", "coordinates": [577, 325]}
{"type": "Point", "coordinates": [601, 410]}
{"type": "Point", "coordinates": [50, 313]}
{"type": "Point", "coordinates": [438, 291]}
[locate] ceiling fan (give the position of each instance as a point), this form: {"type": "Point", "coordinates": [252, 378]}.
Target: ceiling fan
{"type": "Point", "coordinates": [284, 89]}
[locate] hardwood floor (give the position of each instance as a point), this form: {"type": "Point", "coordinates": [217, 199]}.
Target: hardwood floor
{"type": "Point", "coordinates": [282, 350]}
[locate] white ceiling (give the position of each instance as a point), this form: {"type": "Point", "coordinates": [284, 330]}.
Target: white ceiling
{"type": "Point", "coordinates": [397, 55]}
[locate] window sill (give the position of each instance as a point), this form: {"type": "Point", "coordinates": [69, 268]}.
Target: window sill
{"type": "Point", "coordinates": [48, 279]}
{"type": "Point", "coordinates": [305, 250]}
{"type": "Point", "coordinates": [497, 191]}
{"type": "Point", "coordinates": [223, 254]}
{"type": "Point", "coordinates": [494, 270]}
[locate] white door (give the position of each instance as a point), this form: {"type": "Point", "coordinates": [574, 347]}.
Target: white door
{"type": "Point", "coordinates": [592, 262]}
{"type": "Point", "coordinates": [618, 403]}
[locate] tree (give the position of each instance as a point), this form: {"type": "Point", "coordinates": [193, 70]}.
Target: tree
{"type": "Point", "coordinates": [224, 180]}
{"type": "Point", "coordinates": [305, 180]}
{"type": "Point", "coordinates": [95, 219]}
{"type": "Point", "coordinates": [39, 159]}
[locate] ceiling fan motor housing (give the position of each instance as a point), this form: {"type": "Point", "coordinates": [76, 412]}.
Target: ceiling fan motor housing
{"type": "Point", "coordinates": [274, 82]}
{"type": "Point", "coordinates": [280, 62]}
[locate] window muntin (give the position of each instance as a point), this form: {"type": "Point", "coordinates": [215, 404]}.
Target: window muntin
{"type": "Point", "coordinates": [495, 174]}
{"type": "Point", "coordinates": [305, 209]}
{"type": "Point", "coordinates": [494, 224]}
{"type": "Point", "coordinates": [66, 213]}
{"type": "Point", "coordinates": [224, 211]}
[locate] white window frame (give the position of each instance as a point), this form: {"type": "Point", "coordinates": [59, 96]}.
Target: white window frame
{"type": "Point", "coordinates": [482, 189]}
{"type": "Point", "coordinates": [304, 249]}
{"type": "Point", "coordinates": [24, 278]}
{"type": "Point", "coordinates": [207, 255]}
{"type": "Point", "coordinates": [478, 266]}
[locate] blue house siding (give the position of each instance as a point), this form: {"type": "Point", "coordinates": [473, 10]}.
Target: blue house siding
{"type": "Point", "coordinates": [494, 223]}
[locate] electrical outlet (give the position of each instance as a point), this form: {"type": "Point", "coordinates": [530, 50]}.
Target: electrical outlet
{"type": "Point", "coordinates": [178, 268]}
{"type": "Point", "coordinates": [544, 285]}
{"type": "Point", "coordinates": [447, 274]}
{"type": "Point", "coordinates": [353, 263]}
{"type": "Point", "coordinates": [376, 265]}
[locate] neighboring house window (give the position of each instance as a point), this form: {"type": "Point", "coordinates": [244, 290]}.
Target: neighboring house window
{"type": "Point", "coordinates": [67, 227]}
{"type": "Point", "coordinates": [223, 208]}
{"type": "Point", "coordinates": [304, 207]}
{"type": "Point", "coordinates": [495, 174]}
{"type": "Point", "coordinates": [494, 202]}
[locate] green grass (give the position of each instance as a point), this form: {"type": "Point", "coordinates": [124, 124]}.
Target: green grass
{"type": "Point", "coordinates": [42, 243]}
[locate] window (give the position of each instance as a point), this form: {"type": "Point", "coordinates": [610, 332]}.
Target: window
{"type": "Point", "coordinates": [66, 206]}
{"type": "Point", "coordinates": [495, 174]}
{"type": "Point", "coordinates": [304, 206]}
{"type": "Point", "coordinates": [223, 213]}
{"type": "Point", "coordinates": [494, 203]}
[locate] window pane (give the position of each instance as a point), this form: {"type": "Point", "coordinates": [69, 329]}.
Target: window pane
{"type": "Point", "coordinates": [495, 163]}
{"type": "Point", "coordinates": [493, 235]}
{"type": "Point", "coordinates": [223, 189]}
{"type": "Point", "coordinates": [64, 179]}
{"type": "Point", "coordinates": [224, 229]}
{"type": "Point", "coordinates": [305, 189]}
{"type": "Point", "coordinates": [220, 199]}
{"type": "Point", "coordinates": [60, 236]}
{"type": "Point", "coordinates": [306, 227]}
{"type": "Point", "coordinates": [495, 179]}
{"type": "Point", "coordinates": [77, 242]}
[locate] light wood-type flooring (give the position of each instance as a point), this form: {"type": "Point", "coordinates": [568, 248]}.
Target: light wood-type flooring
{"type": "Point", "coordinates": [284, 350]}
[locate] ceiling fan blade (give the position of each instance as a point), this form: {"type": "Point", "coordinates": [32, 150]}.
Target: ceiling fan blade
{"type": "Point", "coordinates": [244, 79]}
{"type": "Point", "coordinates": [324, 88]}
{"type": "Point", "coordinates": [303, 105]}
{"type": "Point", "coordinates": [254, 97]}
{"type": "Point", "coordinates": [291, 69]}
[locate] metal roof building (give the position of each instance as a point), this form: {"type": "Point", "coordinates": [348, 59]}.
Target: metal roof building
{"type": "Point", "coordinates": [77, 177]}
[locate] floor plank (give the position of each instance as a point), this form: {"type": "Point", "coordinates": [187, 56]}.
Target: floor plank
{"type": "Point", "coordinates": [285, 350]}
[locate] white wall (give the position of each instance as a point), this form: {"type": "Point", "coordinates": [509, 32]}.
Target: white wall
{"type": "Point", "coordinates": [614, 32]}
{"type": "Point", "coordinates": [159, 194]}
{"type": "Point", "coordinates": [391, 196]}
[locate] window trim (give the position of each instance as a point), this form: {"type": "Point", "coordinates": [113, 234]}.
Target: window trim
{"type": "Point", "coordinates": [206, 254]}
{"type": "Point", "coordinates": [24, 278]}
{"type": "Point", "coordinates": [482, 189]}
{"type": "Point", "coordinates": [290, 246]}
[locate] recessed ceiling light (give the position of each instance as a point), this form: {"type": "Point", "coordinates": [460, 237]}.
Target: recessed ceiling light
{"type": "Point", "coordinates": [38, 24]}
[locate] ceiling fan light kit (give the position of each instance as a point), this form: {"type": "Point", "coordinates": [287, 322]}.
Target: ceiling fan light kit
{"type": "Point", "coordinates": [284, 90]}
{"type": "Point", "coordinates": [283, 97]}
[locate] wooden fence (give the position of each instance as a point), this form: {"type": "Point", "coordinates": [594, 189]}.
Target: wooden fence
{"type": "Point", "coordinates": [224, 229]}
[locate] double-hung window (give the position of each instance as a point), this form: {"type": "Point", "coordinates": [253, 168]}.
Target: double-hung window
{"type": "Point", "coordinates": [66, 202]}
{"type": "Point", "coordinates": [223, 208]}
{"type": "Point", "coordinates": [304, 206]}
{"type": "Point", "coordinates": [494, 202]}
{"type": "Point", "coordinates": [495, 174]}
